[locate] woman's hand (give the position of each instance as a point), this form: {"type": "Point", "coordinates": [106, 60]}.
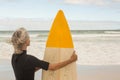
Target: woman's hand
{"type": "Point", "coordinates": [73, 57]}
{"type": "Point", "coordinates": [64, 63]}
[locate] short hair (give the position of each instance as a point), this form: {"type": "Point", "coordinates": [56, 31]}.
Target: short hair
{"type": "Point", "coordinates": [18, 39]}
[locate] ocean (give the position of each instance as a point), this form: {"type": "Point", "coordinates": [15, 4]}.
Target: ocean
{"type": "Point", "coordinates": [94, 47]}
{"type": "Point", "coordinates": [41, 35]}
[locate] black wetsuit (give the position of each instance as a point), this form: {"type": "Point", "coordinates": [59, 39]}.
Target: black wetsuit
{"type": "Point", "coordinates": [24, 65]}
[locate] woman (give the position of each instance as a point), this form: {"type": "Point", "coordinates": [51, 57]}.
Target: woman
{"type": "Point", "coordinates": [25, 65]}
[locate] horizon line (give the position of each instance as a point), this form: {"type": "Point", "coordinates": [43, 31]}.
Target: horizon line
{"type": "Point", "coordinates": [72, 30]}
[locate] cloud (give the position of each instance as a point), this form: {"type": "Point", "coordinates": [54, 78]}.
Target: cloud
{"type": "Point", "coordinates": [116, 1]}
{"type": "Point", "coordinates": [93, 2]}
{"type": "Point", "coordinates": [8, 0]}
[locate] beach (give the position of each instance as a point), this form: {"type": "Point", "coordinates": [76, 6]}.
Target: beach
{"type": "Point", "coordinates": [84, 72]}
{"type": "Point", "coordinates": [98, 54]}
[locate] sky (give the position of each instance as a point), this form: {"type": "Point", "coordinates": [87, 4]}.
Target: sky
{"type": "Point", "coordinates": [83, 10]}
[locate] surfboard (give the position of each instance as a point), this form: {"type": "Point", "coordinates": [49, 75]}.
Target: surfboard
{"type": "Point", "coordinates": [59, 47]}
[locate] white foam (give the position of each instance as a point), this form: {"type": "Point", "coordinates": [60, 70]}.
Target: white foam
{"type": "Point", "coordinates": [96, 52]}
{"type": "Point", "coordinates": [96, 35]}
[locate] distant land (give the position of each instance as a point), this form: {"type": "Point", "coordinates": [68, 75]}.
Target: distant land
{"type": "Point", "coordinates": [41, 24]}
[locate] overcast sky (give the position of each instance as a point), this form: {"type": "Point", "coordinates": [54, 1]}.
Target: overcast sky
{"type": "Point", "coordinates": [87, 10]}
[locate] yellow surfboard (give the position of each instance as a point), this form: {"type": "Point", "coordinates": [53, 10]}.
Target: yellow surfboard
{"type": "Point", "coordinates": [59, 47]}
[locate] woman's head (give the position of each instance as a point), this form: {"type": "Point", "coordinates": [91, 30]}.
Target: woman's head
{"type": "Point", "coordinates": [20, 38]}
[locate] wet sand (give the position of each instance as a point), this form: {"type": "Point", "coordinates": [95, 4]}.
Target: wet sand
{"type": "Point", "coordinates": [85, 72]}
{"type": "Point", "coordinates": [104, 72]}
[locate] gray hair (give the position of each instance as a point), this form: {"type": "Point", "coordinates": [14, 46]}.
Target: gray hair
{"type": "Point", "coordinates": [18, 39]}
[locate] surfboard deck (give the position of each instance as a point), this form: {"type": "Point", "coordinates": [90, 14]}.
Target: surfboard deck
{"type": "Point", "coordinates": [59, 47]}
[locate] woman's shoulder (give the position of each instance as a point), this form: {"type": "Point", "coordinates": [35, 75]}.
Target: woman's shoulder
{"type": "Point", "coordinates": [31, 58]}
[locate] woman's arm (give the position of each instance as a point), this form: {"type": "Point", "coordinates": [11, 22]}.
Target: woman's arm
{"type": "Point", "coordinates": [56, 66]}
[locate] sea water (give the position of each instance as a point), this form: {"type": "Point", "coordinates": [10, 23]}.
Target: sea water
{"type": "Point", "coordinates": [94, 47]}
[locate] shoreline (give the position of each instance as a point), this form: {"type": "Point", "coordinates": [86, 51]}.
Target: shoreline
{"type": "Point", "coordinates": [100, 51]}
{"type": "Point", "coordinates": [84, 72]}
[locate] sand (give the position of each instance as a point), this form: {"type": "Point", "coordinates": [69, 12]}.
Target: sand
{"type": "Point", "coordinates": [85, 72]}
{"type": "Point", "coordinates": [107, 72]}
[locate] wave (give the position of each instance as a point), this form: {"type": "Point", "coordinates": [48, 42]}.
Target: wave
{"type": "Point", "coordinates": [112, 32]}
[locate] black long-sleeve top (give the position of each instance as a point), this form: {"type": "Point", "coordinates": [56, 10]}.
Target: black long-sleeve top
{"type": "Point", "coordinates": [24, 65]}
